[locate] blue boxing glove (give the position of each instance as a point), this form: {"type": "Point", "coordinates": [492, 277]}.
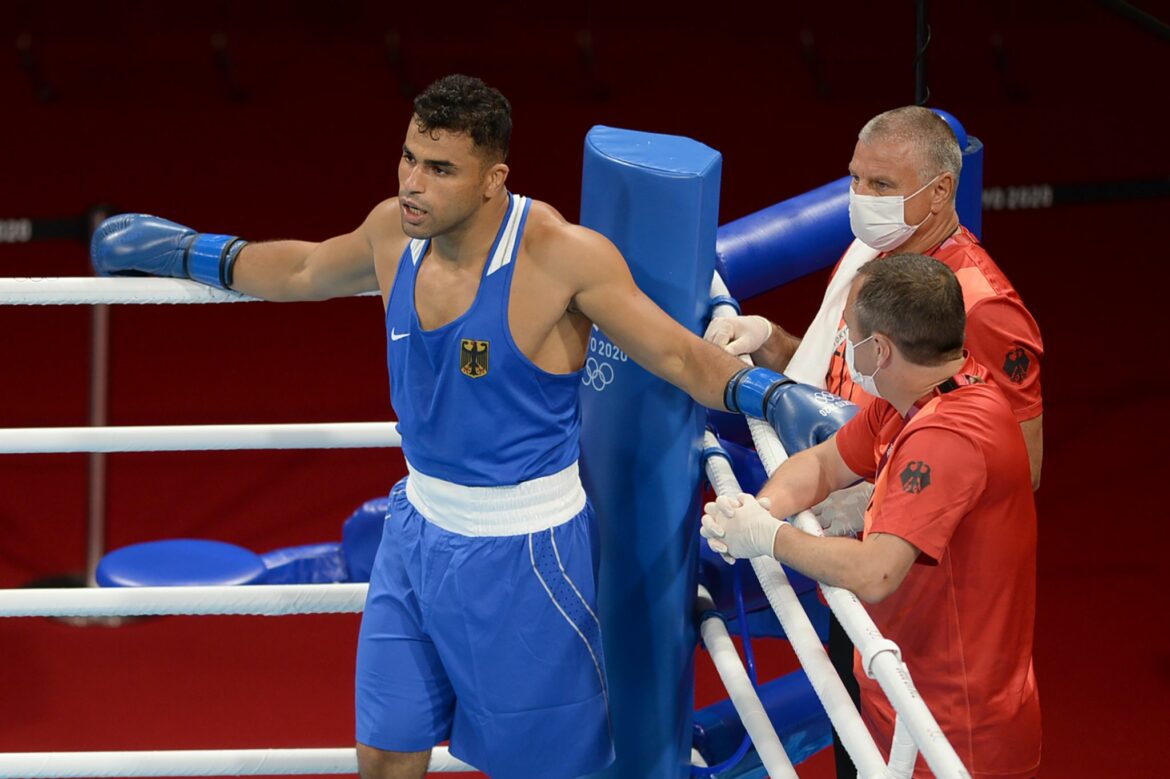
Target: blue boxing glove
{"type": "Point", "coordinates": [802, 415]}
{"type": "Point", "coordinates": [127, 244]}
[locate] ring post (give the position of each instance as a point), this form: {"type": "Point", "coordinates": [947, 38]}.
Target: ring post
{"type": "Point", "coordinates": [969, 198]}
{"type": "Point", "coordinates": [656, 197]}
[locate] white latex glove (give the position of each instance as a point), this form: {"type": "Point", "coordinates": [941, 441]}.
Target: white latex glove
{"type": "Point", "coordinates": [739, 528]}
{"type": "Point", "coordinates": [739, 334]}
{"type": "Point", "coordinates": [843, 512]}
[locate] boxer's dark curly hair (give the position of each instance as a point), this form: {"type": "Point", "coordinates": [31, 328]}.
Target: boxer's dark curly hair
{"type": "Point", "coordinates": [464, 104]}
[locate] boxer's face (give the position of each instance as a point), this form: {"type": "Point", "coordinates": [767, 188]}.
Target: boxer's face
{"type": "Point", "coordinates": [442, 181]}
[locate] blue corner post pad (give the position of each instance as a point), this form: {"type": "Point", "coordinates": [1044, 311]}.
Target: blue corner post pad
{"type": "Point", "coordinates": [656, 197]}
{"type": "Point", "coordinates": [647, 189]}
{"type": "Point", "coordinates": [785, 241]}
{"type": "Point", "coordinates": [969, 199]}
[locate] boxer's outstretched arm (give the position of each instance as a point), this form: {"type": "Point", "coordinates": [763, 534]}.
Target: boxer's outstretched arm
{"type": "Point", "coordinates": [605, 292]}
{"type": "Point", "coordinates": [301, 270]}
{"type": "Point", "coordinates": [136, 244]}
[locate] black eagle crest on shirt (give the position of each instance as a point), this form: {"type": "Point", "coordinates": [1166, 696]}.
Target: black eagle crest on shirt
{"type": "Point", "coordinates": [916, 477]}
{"type": "Point", "coordinates": [1016, 365]}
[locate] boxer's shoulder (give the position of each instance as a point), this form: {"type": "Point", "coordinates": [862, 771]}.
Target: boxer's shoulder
{"type": "Point", "coordinates": [550, 239]}
{"type": "Point", "coordinates": [383, 227]}
{"type": "Point", "coordinates": [382, 230]}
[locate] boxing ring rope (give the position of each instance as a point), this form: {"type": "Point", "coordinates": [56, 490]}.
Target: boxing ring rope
{"type": "Point", "coordinates": [880, 657]}
{"type": "Point", "coordinates": [255, 600]}
{"type": "Point", "coordinates": [739, 688]}
{"type": "Point", "coordinates": [262, 600]}
{"type": "Point", "coordinates": [802, 636]}
{"type": "Point", "coordinates": [196, 762]}
{"type": "Point", "coordinates": [269, 600]}
{"type": "Point", "coordinates": [146, 290]}
{"type": "Point", "coordinates": [266, 600]}
{"type": "Point", "coordinates": [100, 293]}
{"type": "Point", "coordinates": [177, 438]}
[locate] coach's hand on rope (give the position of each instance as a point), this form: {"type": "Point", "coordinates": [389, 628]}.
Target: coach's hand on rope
{"type": "Point", "coordinates": [739, 334]}
{"type": "Point", "coordinates": [135, 244]}
{"type": "Point", "coordinates": [739, 528]}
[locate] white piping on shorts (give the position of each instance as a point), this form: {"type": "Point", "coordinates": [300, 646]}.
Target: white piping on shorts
{"type": "Point", "coordinates": [565, 574]}
{"type": "Point", "coordinates": [513, 510]}
{"type": "Point", "coordinates": [572, 624]}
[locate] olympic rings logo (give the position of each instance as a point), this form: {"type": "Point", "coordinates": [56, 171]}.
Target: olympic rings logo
{"type": "Point", "coordinates": [829, 402]}
{"type": "Point", "coordinates": [597, 375]}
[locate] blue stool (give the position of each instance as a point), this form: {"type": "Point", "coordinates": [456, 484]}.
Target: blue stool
{"type": "Point", "coordinates": [180, 562]}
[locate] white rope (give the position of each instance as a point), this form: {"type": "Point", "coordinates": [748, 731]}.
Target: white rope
{"type": "Point", "coordinates": [743, 695]}
{"type": "Point", "coordinates": [903, 752]}
{"type": "Point", "coordinates": [258, 599]}
{"type": "Point", "coordinates": [125, 289]}
{"type": "Point", "coordinates": [884, 662]}
{"type": "Point", "coordinates": [804, 639]}
{"type": "Point", "coordinates": [176, 438]}
{"type": "Point", "coordinates": [190, 762]}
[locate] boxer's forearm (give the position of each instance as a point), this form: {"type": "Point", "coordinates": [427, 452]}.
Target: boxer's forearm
{"type": "Point", "coordinates": [301, 270]}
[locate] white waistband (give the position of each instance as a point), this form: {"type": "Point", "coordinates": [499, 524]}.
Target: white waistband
{"type": "Point", "coordinates": [514, 510]}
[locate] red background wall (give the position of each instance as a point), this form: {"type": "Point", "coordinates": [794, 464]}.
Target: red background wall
{"type": "Point", "coordinates": [142, 117]}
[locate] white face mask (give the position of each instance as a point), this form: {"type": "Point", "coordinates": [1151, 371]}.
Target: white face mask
{"type": "Point", "coordinates": [879, 221]}
{"type": "Point", "coordinates": [867, 383]}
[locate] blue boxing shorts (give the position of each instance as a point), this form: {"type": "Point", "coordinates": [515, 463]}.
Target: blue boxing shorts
{"type": "Point", "coordinates": [481, 627]}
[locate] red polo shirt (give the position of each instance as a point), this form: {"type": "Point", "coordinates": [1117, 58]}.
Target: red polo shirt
{"type": "Point", "coordinates": [1001, 334]}
{"type": "Point", "coordinates": [956, 485]}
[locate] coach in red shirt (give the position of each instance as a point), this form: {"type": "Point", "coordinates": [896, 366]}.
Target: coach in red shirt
{"type": "Point", "coordinates": [947, 560]}
{"type": "Point", "coordinates": [905, 170]}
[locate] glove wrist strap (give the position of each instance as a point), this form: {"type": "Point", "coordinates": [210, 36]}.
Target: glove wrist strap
{"type": "Point", "coordinates": [211, 258]}
{"type": "Point", "coordinates": [750, 391]}
{"type": "Point", "coordinates": [732, 390]}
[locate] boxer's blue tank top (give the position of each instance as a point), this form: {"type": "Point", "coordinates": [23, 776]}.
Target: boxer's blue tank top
{"type": "Point", "coordinates": [472, 409]}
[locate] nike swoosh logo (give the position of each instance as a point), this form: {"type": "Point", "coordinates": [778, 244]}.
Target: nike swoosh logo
{"type": "Point", "coordinates": [397, 336]}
